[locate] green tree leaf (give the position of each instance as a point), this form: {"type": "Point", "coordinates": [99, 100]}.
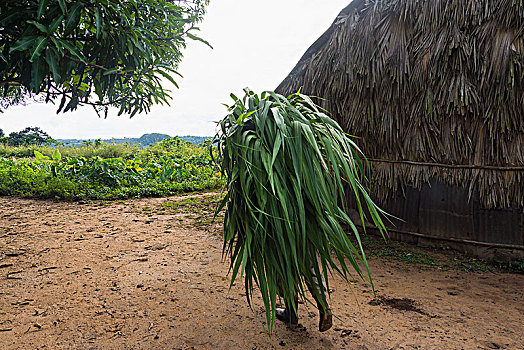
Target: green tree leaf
{"type": "Point", "coordinates": [42, 5]}
{"type": "Point", "coordinates": [38, 73]}
{"type": "Point", "coordinates": [52, 58]}
{"type": "Point", "coordinates": [40, 44]}
{"type": "Point", "coordinates": [168, 77]}
{"type": "Point", "coordinates": [73, 50]}
{"type": "Point", "coordinates": [194, 37]}
{"type": "Point", "coordinates": [40, 26]}
{"type": "Point", "coordinates": [98, 22]}
{"type": "Point", "coordinates": [73, 15]}
{"type": "Point", "coordinates": [63, 6]}
{"type": "Point", "coordinates": [55, 24]}
{"type": "Point", "coordinates": [23, 43]}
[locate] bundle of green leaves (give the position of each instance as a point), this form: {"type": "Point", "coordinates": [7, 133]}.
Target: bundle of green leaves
{"type": "Point", "coordinates": [289, 170]}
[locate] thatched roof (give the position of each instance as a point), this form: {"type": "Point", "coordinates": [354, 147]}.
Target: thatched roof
{"type": "Point", "coordinates": [432, 88]}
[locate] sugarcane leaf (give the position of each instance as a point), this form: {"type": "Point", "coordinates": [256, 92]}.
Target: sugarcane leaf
{"type": "Point", "coordinates": [276, 148]}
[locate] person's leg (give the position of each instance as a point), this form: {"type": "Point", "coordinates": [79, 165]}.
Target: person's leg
{"type": "Point", "coordinates": [287, 314]}
{"type": "Point", "coordinates": [326, 319]}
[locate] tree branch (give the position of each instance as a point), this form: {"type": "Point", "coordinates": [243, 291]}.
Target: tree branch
{"type": "Point", "coordinates": [10, 82]}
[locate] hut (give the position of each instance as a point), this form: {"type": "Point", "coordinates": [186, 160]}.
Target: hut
{"type": "Point", "coordinates": [434, 92]}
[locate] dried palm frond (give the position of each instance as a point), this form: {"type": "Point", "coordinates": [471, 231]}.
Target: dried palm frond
{"type": "Point", "coordinates": [430, 82]}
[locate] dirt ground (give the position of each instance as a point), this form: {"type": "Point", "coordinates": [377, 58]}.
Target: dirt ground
{"type": "Point", "coordinates": [148, 274]}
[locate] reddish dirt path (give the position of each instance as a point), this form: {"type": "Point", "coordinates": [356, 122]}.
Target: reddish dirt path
{"type": "Point", "coordinates": [136, 275]}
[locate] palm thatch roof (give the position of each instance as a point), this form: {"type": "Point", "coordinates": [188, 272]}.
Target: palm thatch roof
{"type": "Point", "coordinates": [431, 88]}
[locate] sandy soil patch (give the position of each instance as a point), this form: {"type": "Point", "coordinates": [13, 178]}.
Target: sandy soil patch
{"type": "Point", "coordinates": [148, 274]}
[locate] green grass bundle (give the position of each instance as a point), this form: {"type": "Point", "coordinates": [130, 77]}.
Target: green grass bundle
{"type": "Point", "coordinates": [289, 167]}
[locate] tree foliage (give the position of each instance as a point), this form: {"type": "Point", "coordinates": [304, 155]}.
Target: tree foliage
{"type": "Point", "coordinates": [98, 52]}
{"type": "Point", "coordinates": [29, 136]}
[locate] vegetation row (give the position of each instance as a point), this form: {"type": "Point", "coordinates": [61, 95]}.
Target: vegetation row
{"type": "Point", "coordinates": [107, 171]}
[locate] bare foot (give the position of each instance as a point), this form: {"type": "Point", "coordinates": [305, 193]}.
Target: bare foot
{"type": "Point", "coordinates": [283, 315]}
{"type": "Point", "coordinates": [325, 323]}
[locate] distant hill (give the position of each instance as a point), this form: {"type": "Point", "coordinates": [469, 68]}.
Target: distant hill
{"type": "Point", "coordinates": [144, 140]}
{"type": "Point", "coordinates": [197, 140]}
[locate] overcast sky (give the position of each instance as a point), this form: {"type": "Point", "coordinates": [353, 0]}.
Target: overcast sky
{"type": "Point", "coordinates": [255, 45]}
